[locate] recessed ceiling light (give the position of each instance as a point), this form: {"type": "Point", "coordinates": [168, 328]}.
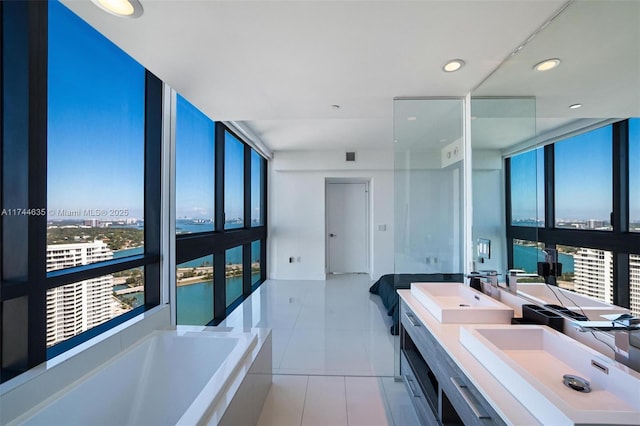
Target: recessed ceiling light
{"type": "Point", "coordinates": [575, 106]}
{"type": "Point", "coordinates": [121, 8]}
{"type": "Point", "coordinates": [547, 64]}
{"type": "Point", "coordinates": [453, 65]}
{"type": "Point", "coordinates": [412, 118]}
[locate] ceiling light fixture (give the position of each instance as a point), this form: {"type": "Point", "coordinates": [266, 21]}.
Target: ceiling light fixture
{"type": "Point", "coordinates": [575, 106]}
{"type": "Point", "coordinates": [412, 118]}
{"type": "Point", "coordinates": [335, 106]}
{"type": "Point", "coordinates": [547, 64]}
{"type": "Point", "coordinates": [121, 8]}
{"type": "Point", "coordinates": [453, 65]}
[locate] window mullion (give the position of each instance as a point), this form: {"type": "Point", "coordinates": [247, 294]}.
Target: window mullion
{"type": "Point", "coordinates": [620, 215]}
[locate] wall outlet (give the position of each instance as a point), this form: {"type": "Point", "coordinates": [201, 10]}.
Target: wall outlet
{"type": "Point", "coordinates": [298, 259]}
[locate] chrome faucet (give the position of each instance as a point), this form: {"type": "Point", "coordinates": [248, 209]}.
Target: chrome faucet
{"type": "Point", "coordinates": [626, 335]}
{"type": "Point", "coordinates": [490, 278]}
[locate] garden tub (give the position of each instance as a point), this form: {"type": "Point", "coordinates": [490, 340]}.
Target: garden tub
{"type": "Point", "coordinates": [169, 377]}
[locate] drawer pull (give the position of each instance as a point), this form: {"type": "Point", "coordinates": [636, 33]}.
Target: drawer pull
{"type": "Point", "coordinates": [411, 386]}
{"type": "Point", "coordinates": [412, 320]}
{"type": "Point", "coordinates": [464, 393]}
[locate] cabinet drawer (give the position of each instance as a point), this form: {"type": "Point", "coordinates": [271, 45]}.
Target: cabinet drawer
{"type": "Point", "coordinates": [467, 402]}
{"type": "Point", "coordinates": [418, 399]}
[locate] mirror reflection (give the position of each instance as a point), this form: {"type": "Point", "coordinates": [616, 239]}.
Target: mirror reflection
{"type": "Point", "coordinates": [556, 128]}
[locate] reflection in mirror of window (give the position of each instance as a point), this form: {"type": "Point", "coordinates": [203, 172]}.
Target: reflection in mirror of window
{"type": "Point", "coordinates": [194, 292]}
{"type": "Point", "coordinates": [634, 175]}
{"type": "Point", "coordinates": [587, 271]}
{"type": "Point", "coordinates": [195, 158]}
{"type": "Point", "coordinates": [527, 188]}
{"type": "Point", "coordinates": [634, 283]}
{"type": "Point", "coordinates": [526, 255]}
{"type": "Point", "coordinates": [584, 180]}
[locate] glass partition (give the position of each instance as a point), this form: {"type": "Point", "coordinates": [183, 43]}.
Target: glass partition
{"type": "Point", "coordinates": [429, 191]}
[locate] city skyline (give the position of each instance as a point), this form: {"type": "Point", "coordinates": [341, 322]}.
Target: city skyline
{"type": "Point", "coordinates": [583, 175]}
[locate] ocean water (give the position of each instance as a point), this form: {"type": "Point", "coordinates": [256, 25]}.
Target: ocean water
{"type": "Point", "coordinates": [527, 258]}
{"type": "Point", "coordinates": [195, 301]}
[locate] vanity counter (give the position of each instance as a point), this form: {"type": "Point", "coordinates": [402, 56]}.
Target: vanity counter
{"type": "Point", "coordinates": [510, 410]}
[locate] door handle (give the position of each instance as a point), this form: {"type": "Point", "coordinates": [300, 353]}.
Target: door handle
{"type": "Point", "coordinates": [332, 235]}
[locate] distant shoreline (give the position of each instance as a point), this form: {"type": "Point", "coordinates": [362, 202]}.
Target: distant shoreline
{"type": "Point", "coordinates": [233, 271]}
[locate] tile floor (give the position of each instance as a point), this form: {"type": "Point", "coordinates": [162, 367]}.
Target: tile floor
{"type": "Point", "coordinates": [333, 355]}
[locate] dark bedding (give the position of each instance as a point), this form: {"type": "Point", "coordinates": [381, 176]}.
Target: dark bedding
{"type": "Point", "coordinates": [387, 285]}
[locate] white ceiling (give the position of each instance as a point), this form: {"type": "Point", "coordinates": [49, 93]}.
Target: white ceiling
{"type": "Point", "coordinates": [278, 66]}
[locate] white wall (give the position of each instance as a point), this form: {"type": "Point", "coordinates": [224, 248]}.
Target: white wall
{"type": "Point", "coordinates": [489, 208]}
{"type": "Point", "coordinates": [297, 209]}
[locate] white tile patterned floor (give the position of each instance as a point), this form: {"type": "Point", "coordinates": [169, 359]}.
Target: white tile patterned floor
{"type": "Point", "coordinates": [333, 355]}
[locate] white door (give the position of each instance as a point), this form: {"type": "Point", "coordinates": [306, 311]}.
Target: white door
{"type": "Point", "coordinates": [347, 224]}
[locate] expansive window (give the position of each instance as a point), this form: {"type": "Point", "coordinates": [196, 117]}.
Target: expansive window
{"type": "Point", "coordinates": [80, 184]}
{"type": "Point", "coordinates": [95, 144]}
{"type": "Point", "coordinates": [233, 274]}
{"type": "Point", "coordinates": [592, 189]}
{"type": "Point", "coordinates": [234, 179]}
{"type": "Point", "coordinates": [233, 182]}
{"type": "Point", "coordinates": [634, 175]}
{"type": "Point", "coordinates": [257, 189]}
{"type": "Point", "coordinates": [195, 159]}
{"type": "Point", "coordinates": [527, 190]}
{"type": "Point", "coordinates": [194, 291]}
{"type": "Point", "coordinates": [583, 180]}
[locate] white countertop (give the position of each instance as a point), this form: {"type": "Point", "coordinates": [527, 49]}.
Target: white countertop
{"type": "Point", "coordinates": [505, 404]}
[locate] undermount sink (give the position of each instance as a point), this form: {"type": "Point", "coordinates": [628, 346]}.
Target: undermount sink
{"type": "Point", "coordinates": [460, 304]}
{"type": "Point", "coordinates": [531, 360]}
{"type": "Point", "coordinates": [543, 294]}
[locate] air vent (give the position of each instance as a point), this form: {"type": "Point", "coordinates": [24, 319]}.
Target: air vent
{"type": "Point", "coordinates": [351, 156]}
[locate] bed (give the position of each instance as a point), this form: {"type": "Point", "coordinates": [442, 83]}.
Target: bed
{"type": "Point", "coordinates": [387, 285]}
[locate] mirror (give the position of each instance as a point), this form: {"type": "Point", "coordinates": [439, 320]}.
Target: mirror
{"type": "Point", "coordinates": [429, 185]}
{"type": "Point", "coordinates": [517, 110]}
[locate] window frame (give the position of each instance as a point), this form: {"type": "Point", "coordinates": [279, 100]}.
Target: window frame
{"type": "Point", "coordinates": [23, 341]}
{"type": "Point", "coordinates": [619, 240]}
{"type": "Point", "coordinates": [196, 245]}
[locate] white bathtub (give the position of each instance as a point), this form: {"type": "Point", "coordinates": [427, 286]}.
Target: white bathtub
{"type": "Point", "coordinates": [169, 377]}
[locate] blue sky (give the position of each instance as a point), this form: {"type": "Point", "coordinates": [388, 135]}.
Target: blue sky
{"type": "Point", "coordinates": [194, 173]}
{"type": "Point", "coordinates": [96, 107]}
{"type": "Point", "coordinates": [527, 187]}
{"type": "Point", "coordinates": [96, 132]}
{"type": "Point", "coordinates": [634, 170]}
{"type": "Point", "coordinates": [583, 175]}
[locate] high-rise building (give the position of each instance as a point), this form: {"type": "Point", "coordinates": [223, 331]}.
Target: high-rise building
{"type": "Point", "coordinates": [593, 271]}
{"type": "Point", "coordinates": [634, 282]}
{"type": "Point", "coordinates": [77, 307]}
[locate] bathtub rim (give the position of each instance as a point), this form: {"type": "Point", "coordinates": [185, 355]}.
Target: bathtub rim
{"type": "Point", "coordinates": [42, 381]}
{"type": "Point", "coordinates": [218, 384]}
